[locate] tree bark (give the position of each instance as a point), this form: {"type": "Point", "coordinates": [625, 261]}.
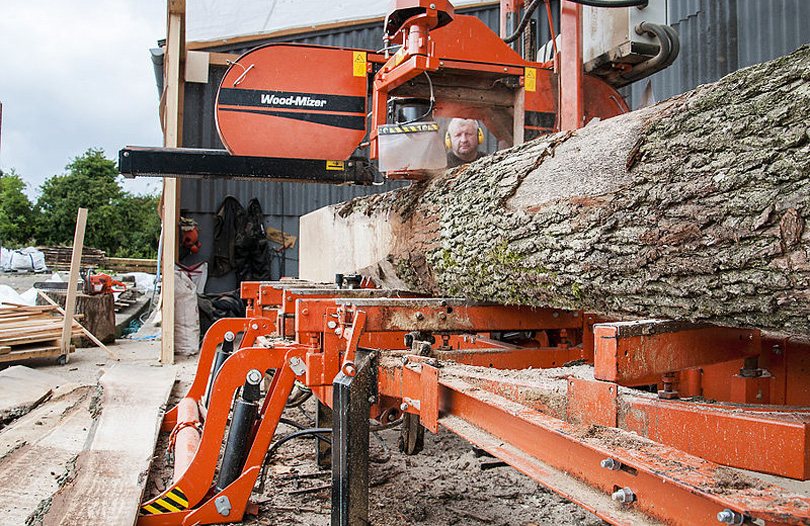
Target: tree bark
{"type": "Point", "coordinates": [692, 209]}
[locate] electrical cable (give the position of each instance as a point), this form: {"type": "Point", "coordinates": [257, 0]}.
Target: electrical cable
{"type": "Point", "coordinates": [430, 107]}
{"type": "Point", "coordinates": [385, 448]}
{"type": "Point", "coordinates": [301, 409]}
{"type": "Point", "coordinates": [317, 432]}
{"type": "Point", "coordinates": [389, 425]}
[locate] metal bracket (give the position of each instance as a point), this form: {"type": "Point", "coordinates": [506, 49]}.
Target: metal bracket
{"type": "Point", "coordinates": [298, 366]}
{"type": "Point", "coordinates": [223, 505]}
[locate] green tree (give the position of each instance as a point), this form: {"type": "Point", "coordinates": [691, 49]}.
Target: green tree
{"type": "Point", "coordinates": [15, 210]}
{"type": "Point", "coordinates": [117, 222]}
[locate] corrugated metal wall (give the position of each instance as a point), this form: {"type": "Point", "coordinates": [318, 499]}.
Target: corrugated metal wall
{"type": "Point", "coordinates": [722, 36]}
{"type": "Point", "coordinates": [717, 37]}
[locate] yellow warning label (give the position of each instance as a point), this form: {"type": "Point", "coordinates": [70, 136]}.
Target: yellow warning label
{"type": "Point", "coordinates": [399, 56]}
{"type": "Point", "coordinates": [359, 63]}
{"type": "Point", "coordinates": [335, 165]}
{"type": "Point", "coordinates": [530, 79]}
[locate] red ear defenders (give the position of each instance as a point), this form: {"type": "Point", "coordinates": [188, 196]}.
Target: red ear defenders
{"type": "Point", "coordinates": [449, 145]}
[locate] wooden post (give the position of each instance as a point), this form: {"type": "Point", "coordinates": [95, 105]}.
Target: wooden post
{"type": "Point", "coordinates": [73, 281]}
{"type": "Point", "coordinates": [175, 44]}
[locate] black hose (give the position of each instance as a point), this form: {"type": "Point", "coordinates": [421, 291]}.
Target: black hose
{"type": "Point", "coordinates": [317, 432]}
{"type": "Point", "coordinates": [523, 22]}
{"type": "Point", "coordinates": [668, 51]}
{"type": "Point", "coordinates": [612, 3]}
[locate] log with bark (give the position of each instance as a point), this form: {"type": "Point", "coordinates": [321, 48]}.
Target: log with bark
{"type": "Point", "coordinates": [693, 209]}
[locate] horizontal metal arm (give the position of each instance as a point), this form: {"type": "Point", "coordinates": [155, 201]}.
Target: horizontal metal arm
{"type": "Point", "coordinates": [219, 164]}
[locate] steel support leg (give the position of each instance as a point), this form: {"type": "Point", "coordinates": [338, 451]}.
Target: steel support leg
{"type": "Point", "coordinates": [350, 443]}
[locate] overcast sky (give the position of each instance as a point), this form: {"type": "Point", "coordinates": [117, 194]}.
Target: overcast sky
{"type": "Point", "coordinates": [76, 74]}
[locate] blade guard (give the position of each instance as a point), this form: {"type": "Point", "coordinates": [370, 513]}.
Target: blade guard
{"type": "Point", "coordinates": [294, 101]}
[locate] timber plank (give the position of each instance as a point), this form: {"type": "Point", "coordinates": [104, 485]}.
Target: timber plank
{"type": "Point", "coordinates": [39, 449]}
{"type": "Point", "coordinates": [111, 473]}
{"type": "Point", "coordinates": [22, 388]}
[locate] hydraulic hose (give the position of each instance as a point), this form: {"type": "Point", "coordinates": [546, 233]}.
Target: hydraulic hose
{"type": "Point", "coordinates": [611, 3]}
{"type": "Point", "coordinates": [593, 3]}
{"type": "Point", "coordinates": [667, 53]}
{"type": "Point", "coordinates": [527, 15]}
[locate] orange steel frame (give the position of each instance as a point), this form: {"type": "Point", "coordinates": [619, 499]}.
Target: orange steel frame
{"type": "Point", "coordinates": [671, 453]}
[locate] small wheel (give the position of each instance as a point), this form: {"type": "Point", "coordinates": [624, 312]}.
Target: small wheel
{"type": "Point", "coordinates": [62, 360]}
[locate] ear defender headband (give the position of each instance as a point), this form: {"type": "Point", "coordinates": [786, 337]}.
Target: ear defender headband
{"type": "Point", "coordinates": [448, 144]}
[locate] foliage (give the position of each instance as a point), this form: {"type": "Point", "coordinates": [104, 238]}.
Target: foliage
{"type": "Point", "coordinates": [121, 224]}
{"type": "Point", "coordinates": [15, 210]}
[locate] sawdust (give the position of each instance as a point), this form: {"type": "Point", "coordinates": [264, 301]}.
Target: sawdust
{"type": "Point", "coordinates": [727, 480]}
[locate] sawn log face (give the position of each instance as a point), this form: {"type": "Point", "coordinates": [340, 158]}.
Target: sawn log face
{"type": "Point", "coordinates": [692, 209]}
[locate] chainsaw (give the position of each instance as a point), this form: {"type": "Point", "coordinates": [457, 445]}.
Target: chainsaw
{"type": "Point", "coordinates": [101, 283]}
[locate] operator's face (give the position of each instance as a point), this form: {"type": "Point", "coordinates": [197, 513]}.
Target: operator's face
{"type": "Point", "coordinates": [464, 141]}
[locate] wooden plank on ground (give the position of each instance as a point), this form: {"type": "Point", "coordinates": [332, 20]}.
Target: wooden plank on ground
{"type": "Point", "coordinates": [22, 388]}
{"type": "Point", "coordinates": [110, 475]}
{"type": "Point", "coordinates": [38, 450]}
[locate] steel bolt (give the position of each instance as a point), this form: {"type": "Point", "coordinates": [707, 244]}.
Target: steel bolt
{"type": "Point", "coordinates": [728, 516]}
{"type": "Point", "coordinates": [332, 324]}
{"type": "Point", "coordinates": [610, 463]}
{"type": "Point", "coordinates": [420, 316]}
{"type": "Point", "coordinates": [371, 399]}
{"type": "Point", "coordinates": [403, 406]}
{"type": "Point", "coordinates": [624, 495]}
{"type": "Point", "coordinates": [255, 327]}
{"type": "Point", "coordinates": [230, 336]}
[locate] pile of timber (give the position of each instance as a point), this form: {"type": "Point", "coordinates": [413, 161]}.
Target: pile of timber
{"type": "Point", "coordinates": [31, 332]}
{"type": "Point", "coordinates": [693, 209]}
{"type": "Point", "coordinates": [131, 265]}
{"type": "Point", "coordinates": [58, 258]}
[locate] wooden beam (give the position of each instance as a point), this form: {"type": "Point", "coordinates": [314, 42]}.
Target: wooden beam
{"type": "Point", "coordinates": [175, 50]}
{"type": "Point", "coordinates": [73, 280]}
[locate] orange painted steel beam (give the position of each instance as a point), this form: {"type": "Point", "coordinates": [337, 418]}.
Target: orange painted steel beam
{"type": "Point", "coordinates": [769, 442]}
{"type": "Point", "coordinates": [520, 358]}
{"type": "Point", "coordinates": [670, 485]}
{"type": "Point", "coordinates": [633, 351]}
{"type": "Point", "coordinates": [437, 314]}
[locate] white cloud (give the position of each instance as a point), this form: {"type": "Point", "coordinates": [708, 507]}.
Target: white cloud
{"type": "Point", "coordinates": [77, 75]}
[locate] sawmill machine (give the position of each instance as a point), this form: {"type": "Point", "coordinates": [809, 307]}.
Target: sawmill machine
{"type": "Point", "coordinates": [301, 112]}
{"type": "Point", "coordinates": [646, 431]}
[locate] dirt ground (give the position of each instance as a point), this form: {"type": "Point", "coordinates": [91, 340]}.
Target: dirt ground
{"type": "Point", "coordinates": [444, 484]}
{"type": "Point", "coordinates": [447, 483]}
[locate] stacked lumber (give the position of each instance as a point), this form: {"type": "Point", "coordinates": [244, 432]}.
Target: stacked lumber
{"type": "Point", "coordinates": [58, 258]}
{"type": "Point", "coordinates": [131, 265]}
{"type": "Point", "coordinates": [31, 332]}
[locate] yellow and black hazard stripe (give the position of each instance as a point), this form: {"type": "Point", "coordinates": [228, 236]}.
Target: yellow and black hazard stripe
{"type": "Point", "coordinates": [173, 500]}
{"type": "Point", "coordinates": [393, 129]}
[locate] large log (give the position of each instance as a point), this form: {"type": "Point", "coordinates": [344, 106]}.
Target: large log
{"type": "Point", "coordinates": [692, 209]}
